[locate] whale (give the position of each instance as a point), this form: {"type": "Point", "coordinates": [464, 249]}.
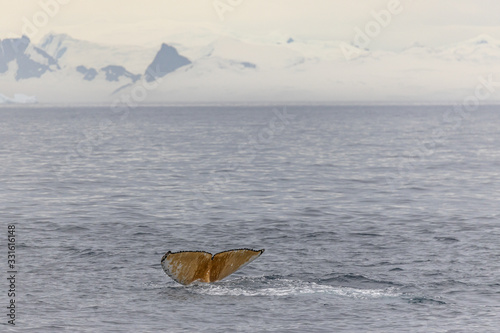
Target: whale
{"type": "Point", "coordinates": [186, 267]}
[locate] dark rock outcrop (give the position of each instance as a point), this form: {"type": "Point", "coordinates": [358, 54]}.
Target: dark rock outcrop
{"type": "Point", "coordinates": [23, 52]}
{"type": "Point", "coordinates": [167, 60]}
{"type": "Point", "coordinates": [247, 64]}
{"type": "Point", "coordinates": [113, 73]}
{"type": "Point", "coordinates": [88, 73]}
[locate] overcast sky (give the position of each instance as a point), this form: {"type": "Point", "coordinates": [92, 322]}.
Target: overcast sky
{"type": "Point", "coordinates": [428, 22]}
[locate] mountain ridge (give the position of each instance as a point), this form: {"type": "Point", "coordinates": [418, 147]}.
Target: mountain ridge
{"type": "Point", "coordinates": [229, 69]}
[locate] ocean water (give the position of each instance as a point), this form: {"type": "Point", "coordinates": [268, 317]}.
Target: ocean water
{"type": "Point", "coordinates": [374, 218]}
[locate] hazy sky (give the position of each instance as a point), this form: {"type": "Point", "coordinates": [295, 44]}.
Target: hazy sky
{"type": "Point", "coordinates": [428, 22]}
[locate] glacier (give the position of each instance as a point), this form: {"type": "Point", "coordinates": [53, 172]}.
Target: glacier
{"type": "Point", "coordinates": [18, 99]}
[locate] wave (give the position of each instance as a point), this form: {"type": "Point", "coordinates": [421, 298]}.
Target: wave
{"type": "Point", "coordinates": [424, 300]}
{"type": "Point", "coordinates": [72, 229]}
{"type": "Point", "coordinates": [446, 239]}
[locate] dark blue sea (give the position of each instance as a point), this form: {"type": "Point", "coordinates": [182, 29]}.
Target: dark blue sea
{"type": "Point", "coordinates": [374, 218]}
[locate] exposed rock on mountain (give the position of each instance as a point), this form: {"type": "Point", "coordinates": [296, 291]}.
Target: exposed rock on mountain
{"type": "Point", "coordinates": [113, 73]}
{"type": "Point", "coordinates": [88, 73]}
{"type": "Point", "coordinates": [167, 60]}
{"type": "Point", "coordinates": [31, 61]}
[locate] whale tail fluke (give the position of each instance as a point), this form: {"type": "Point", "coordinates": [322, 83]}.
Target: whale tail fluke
{"type": "Point", "coordinates": [186, 267]}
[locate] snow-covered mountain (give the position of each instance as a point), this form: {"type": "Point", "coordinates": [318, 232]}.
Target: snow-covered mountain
{"type": "Point", "coordinates": [63, 69]}
{"type": "Point", "coordinates": [225, 68]}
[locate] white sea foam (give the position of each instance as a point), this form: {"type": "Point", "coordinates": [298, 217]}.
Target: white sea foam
{"type": "Point", "coordinates": [285, 287]}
